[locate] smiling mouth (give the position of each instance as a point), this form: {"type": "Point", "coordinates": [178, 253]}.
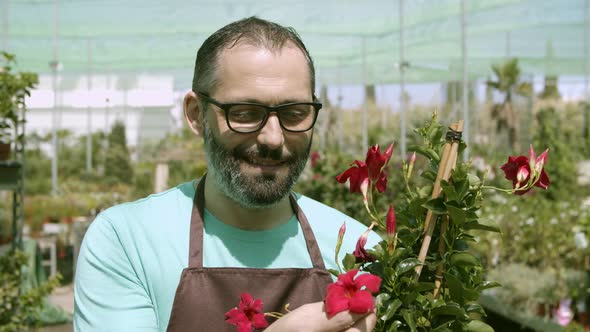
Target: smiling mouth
{"type": "Point", "coordinates": [266, 162]}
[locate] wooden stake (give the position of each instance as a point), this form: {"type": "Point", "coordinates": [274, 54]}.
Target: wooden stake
{"type": "Point", "coordinates": [448, 161]}
{"type": "Point", "coordinates": [441, 250]}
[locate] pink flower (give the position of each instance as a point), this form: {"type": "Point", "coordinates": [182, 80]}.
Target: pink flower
{"type": "Point", "coordinates": [248, 315]}
{"type": "Point", "coordinates": [520, 170]}
{"type": "Point", "coordinates": [360, 252]}
{"type": "Point", "coordinates": [350, 293]}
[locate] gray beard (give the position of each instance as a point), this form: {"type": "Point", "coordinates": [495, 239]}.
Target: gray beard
{"type": "Point", "coordinates": [251, 192]}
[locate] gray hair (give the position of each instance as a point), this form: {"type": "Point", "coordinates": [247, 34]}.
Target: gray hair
{"type": "Point", "coordinates": [252, 30]}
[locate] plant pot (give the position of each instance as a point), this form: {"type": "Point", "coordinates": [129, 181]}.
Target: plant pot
{"type": "Point", "coordinates": [4, 151]}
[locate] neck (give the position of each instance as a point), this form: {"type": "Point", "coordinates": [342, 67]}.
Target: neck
{"type": "Point", "coordinates": [231, 213]}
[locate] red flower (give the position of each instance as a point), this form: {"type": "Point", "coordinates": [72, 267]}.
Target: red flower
{"type": "Point", "coordinates": [371, 169]}
{"type": "Point", "coordinates": [314, 158]}
{"type": "Point", "coordinates": [248, 315]}
{"type": "Point", "coordinates": [359, 178]}
{"type": "Point", "coordinates": [360, 252]}
{"type": "Point", "coordinates": [350, 293]}
{"type": "Point", "coordinates": [375, 162]}
{"type": "Point", "coordinates": [520, 169]}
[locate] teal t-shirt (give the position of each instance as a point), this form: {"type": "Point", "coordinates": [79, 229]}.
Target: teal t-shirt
{"type": "Point", "coordinates": [133, 255]}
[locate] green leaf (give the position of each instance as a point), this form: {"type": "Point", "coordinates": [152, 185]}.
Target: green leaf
{"type": "Point", "coordinates": [407, 265]}
{"type": "Point", "coordinates": [381, 298]}
{"type": "Point", "coordinates": [489, 284]}
{"type": "Point", "coordinates": [429, 175]}
{"type": "Point", "coordinates": [394, 325]}
{"type": "Point", "coordinates": [449, 309]}
{"type": "Point", "coordinates": [334, 272]}
{"type": "Point", "coordinates": [442, 328]}
{"type": "Point", "coordinates": [434, 134]}
{"type": "Point", "coordinates": [460, 245]}
{"type": "Point", "coordinates": [348, 262]}
{"type": "Point", "coordinates": [455, 288]}
{"type": "Point", "coordinates": [425, 191]}
{"type": "Point", "coordinates": [436, 205]}
{"type": "Point", "coordinates": [470, 294]}
{"type": "Point", "coordinates": [475, 308]}
{"type": "Point", "coordinates": [483, 224]}
{"type": "Point", "coordinates": [471, 215]}
{"type": "Point", "coordinates": [449, 191]}
{"type": "Point", "coordinates": [409, 317]}
{"type": "Point", "coordinates": [464, 258]}
{"type": "Point", "coordinates": [399, 253]}
{"type": "Point", "coordinates": [423, 286]}
{"type": "Point", "coordinates": [478, 326]}
{"type": "Point", "coordinates": [391, 309]}
{"type": "Point", "coordinates": [457, 214]}
{"type": "Point", "coordinates": [462, 187]}
{"type": "Point", "coordinates": [426, 152]}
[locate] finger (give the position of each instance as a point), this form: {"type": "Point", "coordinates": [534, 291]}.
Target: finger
{"type": "Point", "coordinates": [342, 320]}
{"type": "Point", "coordinates": [365, 324]}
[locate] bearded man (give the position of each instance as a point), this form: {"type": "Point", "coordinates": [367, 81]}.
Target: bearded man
{"type": "Point", "coordinates": [179, 260]}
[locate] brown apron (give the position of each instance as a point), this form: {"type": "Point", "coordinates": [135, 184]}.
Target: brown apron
{"type": "Point", "coordinates": [205, 294]}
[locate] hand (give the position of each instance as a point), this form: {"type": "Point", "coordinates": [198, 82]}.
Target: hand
{"type": "Point", "coordinates": [312, 318]}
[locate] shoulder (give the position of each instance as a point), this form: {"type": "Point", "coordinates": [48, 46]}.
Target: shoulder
{"type": "Point", "coordinates": [154, 203]}
{"type": "Point", "coordinates": [145, 218]}
{"type": "Point", "coordinates": [155, 208]}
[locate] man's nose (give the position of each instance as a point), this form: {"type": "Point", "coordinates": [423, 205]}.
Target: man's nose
{"type": "Point", "coordinates": [271, 134]}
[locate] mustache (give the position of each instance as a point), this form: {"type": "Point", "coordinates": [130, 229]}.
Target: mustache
{"type": "Point", "coordinates": [262, 151]}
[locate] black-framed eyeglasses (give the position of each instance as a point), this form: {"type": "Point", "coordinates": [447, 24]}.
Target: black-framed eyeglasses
{"type": "Point", "coordinates": [246, 117]}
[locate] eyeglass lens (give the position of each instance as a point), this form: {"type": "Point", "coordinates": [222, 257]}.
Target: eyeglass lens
{"type": "Point", "coordinates": [246, 118]}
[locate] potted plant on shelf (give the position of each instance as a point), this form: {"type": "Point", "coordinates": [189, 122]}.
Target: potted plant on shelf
{"type": "Point", "coordinates": [14, 87]}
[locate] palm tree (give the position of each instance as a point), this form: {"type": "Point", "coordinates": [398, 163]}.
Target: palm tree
{"type": "Point", "coordinates": [508, 83]}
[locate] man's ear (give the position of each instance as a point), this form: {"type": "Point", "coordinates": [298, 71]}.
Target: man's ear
{"type": "Point", "coordinates": [192, 112]}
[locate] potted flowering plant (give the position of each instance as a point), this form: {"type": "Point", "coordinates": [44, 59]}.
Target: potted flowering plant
{"type": "Point", "coordinates": [422, 275]}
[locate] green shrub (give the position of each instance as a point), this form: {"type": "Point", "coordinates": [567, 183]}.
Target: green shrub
{"type": "Point", "coordinates": [19, 305]}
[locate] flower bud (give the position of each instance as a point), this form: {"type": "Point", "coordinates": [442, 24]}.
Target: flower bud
{"type": "Point", "coordinates": [390, 223]}
{"type": "Point", "coordinates": [341, 232]}
{"type": "Point", "coordinates": [411, 165]}
{"type": "Point", "coordinates": [340, 238]}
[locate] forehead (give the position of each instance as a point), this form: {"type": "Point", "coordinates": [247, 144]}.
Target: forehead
{"type": "Point", "coordinates": [251, 71]}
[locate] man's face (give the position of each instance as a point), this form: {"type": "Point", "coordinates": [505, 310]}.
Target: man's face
{"type": "Point", "coordinates": [257, 169]}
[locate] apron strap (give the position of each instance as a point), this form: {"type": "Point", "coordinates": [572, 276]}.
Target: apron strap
{"type": "Point", "coordinates": [197, 222]}
{"type": "Point", "coordinates": [312, 244]}
{"type": "Point", "coordinates": [195, 259]}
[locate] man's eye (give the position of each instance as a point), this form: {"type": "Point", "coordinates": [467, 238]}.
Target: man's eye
{"type": "Point", "coordinates": [246, 115]}
{"type": "Point", "coordinates": [295, 115]}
